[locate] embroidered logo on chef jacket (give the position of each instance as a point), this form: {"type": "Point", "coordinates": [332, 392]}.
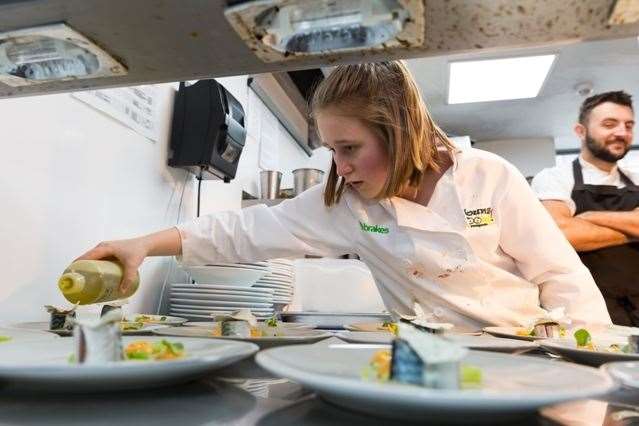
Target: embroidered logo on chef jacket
{"type": "Point", "coordinates": [479, 217]}
{"type": "Point", "coordinates": [373, 228]}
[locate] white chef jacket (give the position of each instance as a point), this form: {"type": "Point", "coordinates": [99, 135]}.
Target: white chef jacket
{"type": "Point", "coordinates": [556, 183]}
{"type": "Point", "coordinates": [483, 252]}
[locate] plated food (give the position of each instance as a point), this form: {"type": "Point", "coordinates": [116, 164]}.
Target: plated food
{"type": "Point", "coordinates": [127, 328]}
{"type": "Point", "coordinates": [421, 358]}
{"type": "Point", "coordinates": [155, 319]}
{"type": "Point", "coordinates": [145, 350]}
{"type": "Point", "coordinates": [47, 365]}
{"type": "Point", "coordinates": [522, 333]}
{"type": "Point", "coordinates": [280, 324]}
{"type": "Point", "coordinates": [509, 385]}
{"type": "Point", "coordinates": [61, 319]}
{"type": "Point", "coordinates": [594, 349]}
{"type": "Point", "coordinates": [242, 325]}
{"type": "Point", "coordinates": [372, 326]}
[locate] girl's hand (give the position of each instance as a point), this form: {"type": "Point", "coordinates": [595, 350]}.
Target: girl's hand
{"type": "Point", "coordinates": [130, 253]}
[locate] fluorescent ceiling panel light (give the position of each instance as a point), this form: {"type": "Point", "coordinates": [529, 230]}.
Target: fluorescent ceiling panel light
{"type": "Point", "coordinates": [497, 79]}
{"type": "Point", "coordinates": [52, 53]}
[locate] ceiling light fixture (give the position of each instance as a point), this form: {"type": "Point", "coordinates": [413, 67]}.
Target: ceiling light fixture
{"type": "Point", "coordinates": [281, 29]}
{"type": "Point", "coordinates": [498, 79]}
{"type": "Point", "coordinates": [52, 53]}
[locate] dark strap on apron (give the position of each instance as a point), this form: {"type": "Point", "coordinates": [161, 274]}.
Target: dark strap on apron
{"type": "Point", "coordinates": [579, 177]}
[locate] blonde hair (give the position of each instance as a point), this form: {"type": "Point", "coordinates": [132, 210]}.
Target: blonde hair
{"type": "Point", "coordinates": [385, 97]}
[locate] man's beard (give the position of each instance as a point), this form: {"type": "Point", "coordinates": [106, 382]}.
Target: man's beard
{"type": "Point", "coordinates": [599, 151]}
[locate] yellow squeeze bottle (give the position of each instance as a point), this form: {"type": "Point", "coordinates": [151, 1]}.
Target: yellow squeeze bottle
{"type": "Point", "coordinates": [94, 281]}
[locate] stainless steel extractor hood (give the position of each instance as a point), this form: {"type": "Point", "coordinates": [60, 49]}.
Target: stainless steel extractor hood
{"type": "Point", "coordinates": [162, 40]}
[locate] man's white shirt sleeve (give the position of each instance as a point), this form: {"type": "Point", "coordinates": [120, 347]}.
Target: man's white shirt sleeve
{"type": "Point", "coordinates": [555, 184]}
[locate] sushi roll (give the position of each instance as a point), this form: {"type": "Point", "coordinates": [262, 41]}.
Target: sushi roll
{"type": "Point", "coordinates": [422, 358]}
{"type": "Point", "coordinates": [549, 329]}
{"type": "Point", "coordinates": [60, 319]}
{"type": "Point", "coordinates": [238, 324]}
{"type": "Point", "coordinates": [432, 327]}
{"type": "Point", "coordinates": [235, 328]}
{"type": "Point", "coordinates": [98, 341]}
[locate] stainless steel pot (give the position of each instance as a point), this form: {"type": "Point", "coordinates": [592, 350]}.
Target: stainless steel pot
{"type": "Point", "coordinates": [270, 184]}
{"type": "Point", "coordinates": [305, 178]}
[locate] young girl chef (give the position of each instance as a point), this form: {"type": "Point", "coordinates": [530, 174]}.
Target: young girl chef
{"type": "Point", "coordinates": [459, 232]}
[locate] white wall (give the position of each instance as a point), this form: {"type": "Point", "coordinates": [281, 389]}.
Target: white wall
{"type": "Point", "coordinates": [528, 155]}
{"type": "Point", "coordinates": [71, 176]}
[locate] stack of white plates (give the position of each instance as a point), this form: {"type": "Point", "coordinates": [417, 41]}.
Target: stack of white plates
{"type": "Point", "coordinates": [281, 279]}
{"type": "Point", "coordinates": [200, 301]}
{"type": "Point", "coordinates": [230, 274]}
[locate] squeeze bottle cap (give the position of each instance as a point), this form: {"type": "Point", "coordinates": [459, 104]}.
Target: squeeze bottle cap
{"type": "Point", "coordinates": [71, 283]}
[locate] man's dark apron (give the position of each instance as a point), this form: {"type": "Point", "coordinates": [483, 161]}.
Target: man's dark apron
{"type": "Point", "coordinates": [615, 269]}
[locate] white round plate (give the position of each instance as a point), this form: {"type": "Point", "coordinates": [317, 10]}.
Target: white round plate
{"type": "Point", "coordinates": [208, 302]}
{"type": "Point", "coordinates": [213, 295]}
{"type": "Point", "coordinates": [284, 274]}
{"type": "Point", "coordinates": [227, 297]}
{"type": "Point", "coordinates": [512, 385]}
{"type": "Point", "coordinates": [494, 344]}
{"type": "Point", "coordinates": [44, 366]}
{"type": "Point", "coordinates": [241, 265]}
{"type": "Point", "coordinates": [485, 343]}
{"type": "Point", "coordinates": [510, 333]}
{"type": "Point", "coordinates": [377, 337]}
{"type": "Point", "coordinates": [22, 332]}
{"type": "Point", "coordinates": [281, 261]}
{"type": "Point", "coordinates": [156, 319]}
{"type": "Point", "coordinates": [288, 337]}
{"type": "Point", "coordinates": [43, 326]}
{"type": "Point", "coordinates": [275, 287]}
{"type": "Point", "coordinates": [568, 349]}
{"type": "Point", "coordinates": [272, 281]}
{"type": "Point", "coordinates": [226, 289]}
{"type": "Point", "coordinates": [205, 316]}
{"type": "Point", "coordinates": [225, 275]}
{"type": "Point", "coordinates": [626, 373]}
{"type": "Point", "coordinates": [290, 325]}
{"type": "Point", "coordinates": [204, 309]}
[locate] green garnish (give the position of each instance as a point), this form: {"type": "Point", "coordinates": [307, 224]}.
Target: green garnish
{"type": "Point", "coordinates": [4, 339]}
{"type": "Point", "coordinates": [158, 351]}
{"type": "Point", "coordinates": [471, 376]}
{"type": "Point", "coordinates": [166, 346]}
{"type": "Point", "coordinates": [582, 337]}
{"type": "Point", "coordinates": [141, 355]}
{"type": "Point", "coordinates": [162, 318]}
{"type": "Point", "coordinates": [272, 321]}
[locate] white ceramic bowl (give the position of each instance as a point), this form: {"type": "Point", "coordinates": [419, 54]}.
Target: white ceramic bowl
{"type": "Point", "coordinates": [225, 275]}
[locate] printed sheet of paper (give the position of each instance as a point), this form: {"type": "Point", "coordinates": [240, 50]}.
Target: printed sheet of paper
{"type": "Point", "coordinates": [135, 107]}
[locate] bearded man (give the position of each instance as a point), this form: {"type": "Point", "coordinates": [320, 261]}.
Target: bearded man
{"type": "Point", "coordinates": [595, 202]}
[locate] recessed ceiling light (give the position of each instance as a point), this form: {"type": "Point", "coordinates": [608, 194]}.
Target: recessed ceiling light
{"type": "Point", "coordinates": [498, 79]}
{"type": "Point", "coordinates": [283, 29]}
{"type": "Point", "coordinates": [52, 53]}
